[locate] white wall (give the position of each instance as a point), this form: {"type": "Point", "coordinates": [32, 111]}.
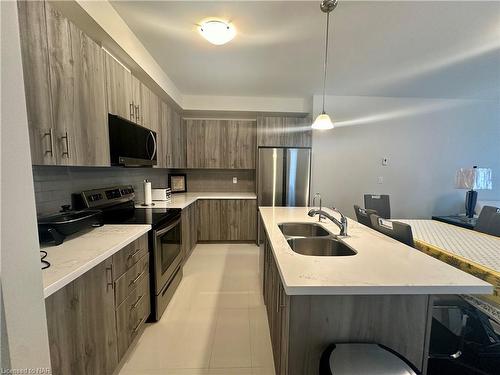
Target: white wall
{"type": "Point", "coordinates": [111, 22]}
{"type": "Point", "coordinates": [23, 323]}
{"type": "Point", "coordinates": [246, 103]}
{"type": "Point", "coordinates": [426, 141]}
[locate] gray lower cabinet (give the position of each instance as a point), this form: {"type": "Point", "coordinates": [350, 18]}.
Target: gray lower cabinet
{"type": "Point", "coordinates": [64, 85]}
{"type": "Point", "coordinates": [93, 320]}
{"type": "Point", "coordinates": [227, 219]}
{"type": "Point", "coordinates": [189, 220]}
{"type": "Point", "coordinates": [302, 326]}
{"type": "Point", "coordinates": [81, 324]}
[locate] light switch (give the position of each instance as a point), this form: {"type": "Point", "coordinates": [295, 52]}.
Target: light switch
{"type": "Point", "coordinates": [380, 180]}
{"type": "Point", "coordinates": [235, 180]}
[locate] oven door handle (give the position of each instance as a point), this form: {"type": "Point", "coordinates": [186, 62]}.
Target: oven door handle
{"type": "Point", "coordinates": [164, 230]}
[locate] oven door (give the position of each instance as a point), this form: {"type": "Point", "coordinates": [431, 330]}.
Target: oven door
{"type": "Point", "coordinates": [167, 253]}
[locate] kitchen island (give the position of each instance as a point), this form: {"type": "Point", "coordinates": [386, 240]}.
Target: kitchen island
{"type": "Point", "coordinates": [382, 293]}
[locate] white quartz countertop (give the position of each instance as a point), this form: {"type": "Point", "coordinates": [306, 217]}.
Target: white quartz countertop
{"type": "Point", "coordinates": [83, 251]}
{"type": "Point", "coordinates": [182, 200]}
{"type": "Point", "coordinates": [381, 265]}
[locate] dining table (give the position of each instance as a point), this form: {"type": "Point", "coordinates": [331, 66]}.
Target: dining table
{"type": "Point", "coordinates": [471, 251]}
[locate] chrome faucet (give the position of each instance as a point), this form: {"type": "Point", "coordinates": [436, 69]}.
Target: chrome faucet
{"type": "Point", "coordinates": [342, 224]}
{"type": "Point", "coordinates": [318, 195]}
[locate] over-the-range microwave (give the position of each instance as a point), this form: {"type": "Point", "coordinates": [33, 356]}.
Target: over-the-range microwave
{"type": "Point", "coordinates": [131, 145]}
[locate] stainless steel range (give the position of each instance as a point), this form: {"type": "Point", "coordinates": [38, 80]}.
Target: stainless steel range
{"type": "Point", "coordinates": [165, 241]}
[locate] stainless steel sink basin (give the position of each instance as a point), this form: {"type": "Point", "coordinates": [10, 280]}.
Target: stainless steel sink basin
{"type": "Point", "coordinates": [320, 247]}
{"type": "Point", "coordinates": [303, 230]}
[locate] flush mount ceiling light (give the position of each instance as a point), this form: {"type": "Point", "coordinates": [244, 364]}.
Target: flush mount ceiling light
{"type": "Point", "coordinates": [323, 121]}
{"type": "Point", "coordinates": [216, 31]}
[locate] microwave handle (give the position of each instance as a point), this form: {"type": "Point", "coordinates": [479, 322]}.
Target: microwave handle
{"type": "Point", "coordinates": [151, 156]}
{"type": "Point", "coordinates": [154, 144]}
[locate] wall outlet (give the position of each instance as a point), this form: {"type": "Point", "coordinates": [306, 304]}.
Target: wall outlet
{"type": "Point", "coordinates": [380, 180]}
{"type": "Point", "coordinates": [235, 180]}
{"type": "Point", "coordinates": [385, 161]}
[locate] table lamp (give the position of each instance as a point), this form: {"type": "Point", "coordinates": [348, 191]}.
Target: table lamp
{"type": "Point", "coordinates": [473, 179]}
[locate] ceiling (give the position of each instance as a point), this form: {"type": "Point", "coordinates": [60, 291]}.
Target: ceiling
{"type": "Point", "coordinates": [421, 49]}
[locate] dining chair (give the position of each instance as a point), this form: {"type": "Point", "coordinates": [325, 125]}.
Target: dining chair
{"type": "Point", "coordinates": [363, 215]}
{"type": "Point", "coordinates": [489, 221]}
{"type": "Point", "coordinates": [379, 203]}
{"type": "Point", "coordinates": [394, 229]}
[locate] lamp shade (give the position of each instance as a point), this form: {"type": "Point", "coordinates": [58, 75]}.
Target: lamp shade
{"type": "Point", "coordinates": [474, 179]}
{"type": "Point", "coordinates": [322, 122]}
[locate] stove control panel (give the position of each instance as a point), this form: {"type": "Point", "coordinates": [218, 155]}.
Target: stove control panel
{"type": "Point", "coordinates": [98, 198]}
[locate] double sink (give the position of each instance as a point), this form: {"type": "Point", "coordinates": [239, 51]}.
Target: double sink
{"type": "Point", "coordinates": [313, 239]}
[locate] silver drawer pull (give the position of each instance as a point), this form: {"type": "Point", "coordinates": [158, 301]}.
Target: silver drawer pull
{"type": "Point", "coordinates": [131, 108]}
{"type": "Point", "coordinates": [136, 303]}
{"type": "Point", "coordinates": [65, 137]}
{"type": "Point", "coordinates": [51, 138]}
{"type": "Point", "coordinates": [137, 277]}
{"type": "Point", "coordinates": [130, 256]}
{"type": "Point", "coordinates": [134, 331]}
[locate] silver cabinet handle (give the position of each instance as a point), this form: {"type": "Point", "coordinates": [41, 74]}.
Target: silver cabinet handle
{"type": "Point", "coordinates": [51, 139]}
{"type": "Point", "coordinates": [282, 299]}
{"type": "Point", "coordinates": [137, 113]}
{"type": "Point", "coordinates": [136, 328]}
{"type": "Point", "coordinates": [138, 276]}
{"type": "Point", "coordinates": [109, 278]}
{"type": "Point", "coordinates": [131, 255]}
{"type": "Point", "coordinates": [66, 138]}
{"type": "Point", "coordinates": [136, 303]}
{"type": "Point", "coordinates": [131, 109]}
{"type": "Point", "coordinates": [278, 300]}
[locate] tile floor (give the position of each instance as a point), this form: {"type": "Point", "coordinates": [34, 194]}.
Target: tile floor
{"type": "Point", "coordinates": [216, 323]}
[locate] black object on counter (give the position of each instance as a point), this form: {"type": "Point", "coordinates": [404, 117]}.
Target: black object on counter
{"type": "Point", "coordinates": [459, 221]}
{"type": "Point", "coordinates": [55, 228]}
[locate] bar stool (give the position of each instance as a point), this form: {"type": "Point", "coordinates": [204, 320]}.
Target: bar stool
{"type": "Point", "coordinates": [489, 221]}
{"type": "Point", "coordinates": [364, 359]}
{"type": "Point", "coordinates": [363, 215]}
{"type": "Point", "coordinates": [395, 229]}
{"type": "Point", "coordinates": [379, 203]}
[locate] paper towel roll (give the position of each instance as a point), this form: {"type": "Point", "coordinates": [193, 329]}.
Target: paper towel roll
{"type": "Point", "coordinates": [147, 193]}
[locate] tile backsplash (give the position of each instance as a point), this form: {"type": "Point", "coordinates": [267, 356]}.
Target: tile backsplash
{"type": "Point", "coordinates": [54, 185]}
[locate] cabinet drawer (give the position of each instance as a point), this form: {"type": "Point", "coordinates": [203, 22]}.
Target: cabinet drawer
{"type": "Point", "coordinates": [132, 313]}
{"type": "Point", "coordinates": [129, 255]}
{"type": "Point", "coordinates": [130, 279]}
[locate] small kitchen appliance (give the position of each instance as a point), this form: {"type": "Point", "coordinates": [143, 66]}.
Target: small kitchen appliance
{"type": "Point", "coordinates": [163, 194]}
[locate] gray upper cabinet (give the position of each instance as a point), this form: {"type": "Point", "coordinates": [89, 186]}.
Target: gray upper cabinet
{"type": "Point", "coordinates": [90, 130]}
{"type": "Point", "coordinates": [240, 144]}
{"type": "Point", "coordinates": [220, 143]}
{"type": "Point", "coordinates": [62, 84]}
{"type": "Point", "coordinates": [283, 131]}
{"type": "Point", "coordinates": [118, 88]}
{"type": "Point", "coordinates": [36, 70]}
{"type": "Point", "coordinates": [65, 95]}
{"type": "Point", "coordinates": [173, 137]}
{"type": "Point", "coordinates": [136, 99]}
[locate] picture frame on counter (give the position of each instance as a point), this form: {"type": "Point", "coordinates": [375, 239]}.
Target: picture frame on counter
{"type": "Point", "coordinates": [177, 182]}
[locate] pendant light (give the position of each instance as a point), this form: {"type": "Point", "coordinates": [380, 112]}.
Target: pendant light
{"type": "Point", "coordinates": [323, 121]}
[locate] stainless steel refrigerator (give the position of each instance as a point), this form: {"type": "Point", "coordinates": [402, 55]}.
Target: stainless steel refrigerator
{"type": "Point", "coordinates": [284, 176]}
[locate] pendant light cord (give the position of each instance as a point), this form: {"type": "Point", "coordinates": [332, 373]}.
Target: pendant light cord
{"type": "Point", "coordinates": [326, 58]}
